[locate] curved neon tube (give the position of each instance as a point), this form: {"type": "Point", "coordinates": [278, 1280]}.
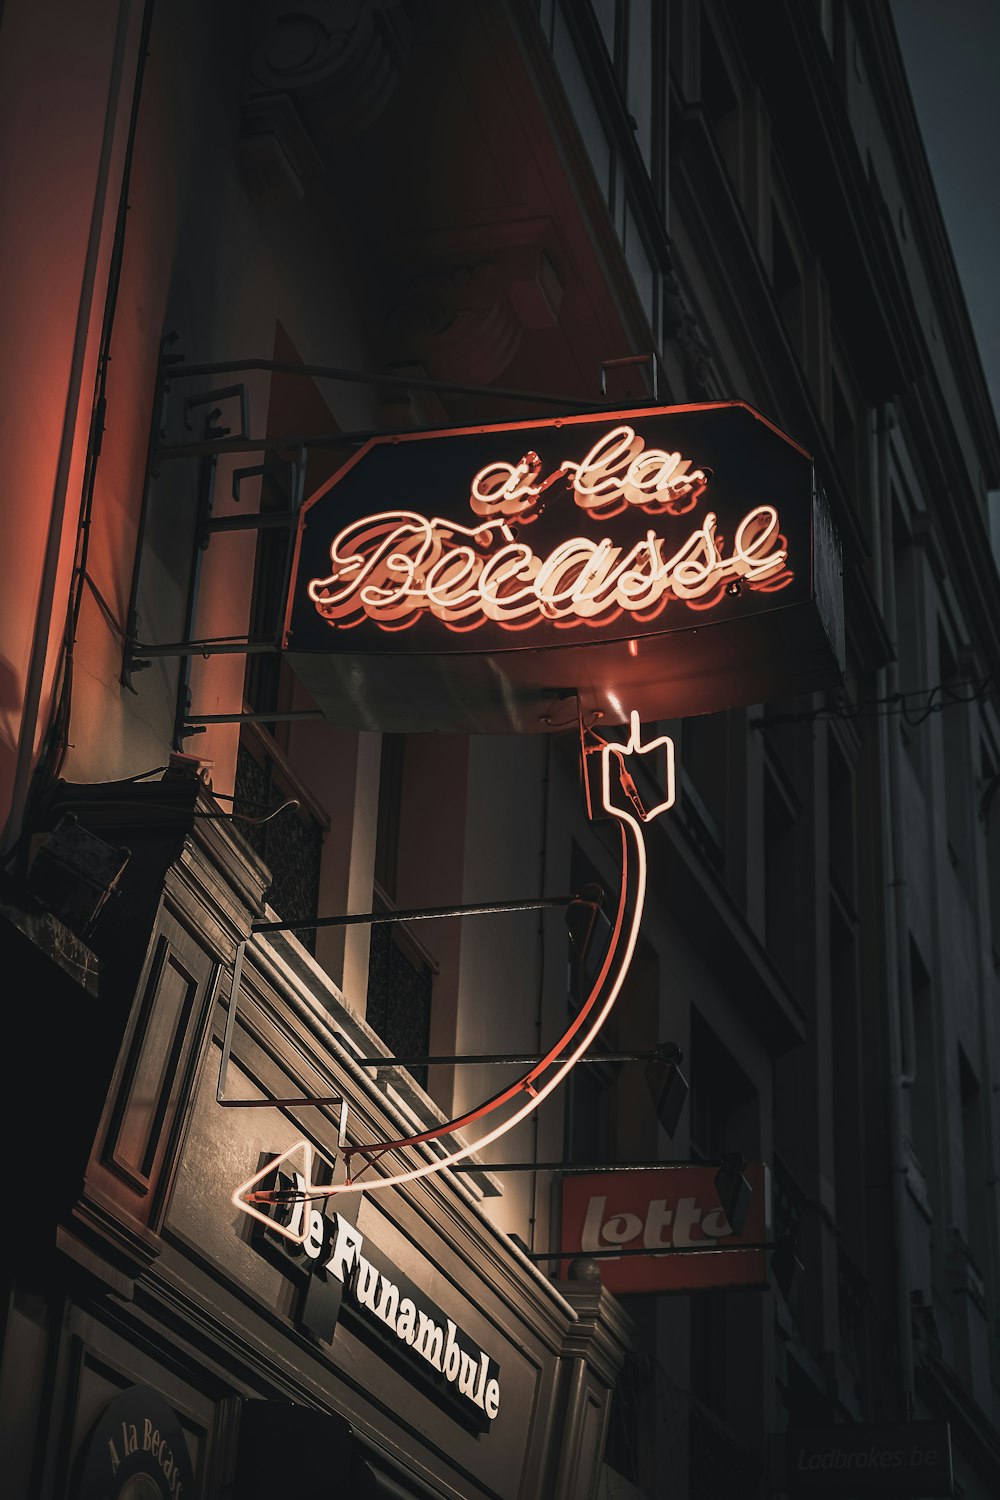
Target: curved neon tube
{"type": "Point", "coordinates": [245, 1196]}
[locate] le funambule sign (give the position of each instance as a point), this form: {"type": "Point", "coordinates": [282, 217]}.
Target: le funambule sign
{"type": "Point", "coordinates": [346, 1275]}
{"type": "Point", "coordinates": [674, 559]}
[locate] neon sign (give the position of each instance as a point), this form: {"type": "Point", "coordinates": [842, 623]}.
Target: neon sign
{"type": "Point", "coordinates": [472, 579]}
{"type": "Point", "coordinates": [406, 612]}
{"type": "Point", "coordinates": [522, 1098]}
{"type": "Point", "coordinates": [396, 565]}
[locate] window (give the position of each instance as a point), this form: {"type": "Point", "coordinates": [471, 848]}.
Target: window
{"type": "Point", "coordinates": [976, 1196]}
{"type": "Point", "coordinates": [704, 763]}
{"type": "Point", "coordinates": [291, 843]}
{"type": "Point", "coordinates": [781, 892]}
{"type": "Point", "coordinates": [400, 983]}
{"type": "Point", "coordinates": [590, 1124]}
{"type": "Point", "coordinates": [957, 768]}
{"type": "Point", "coordinates": [848, 1094]}
{"type": "Point", "coordinates": [400, 972]}
{"type": "Point", "coordinates": [723, 1108]}
{"type": "Point", "coordinates": [849, 430]}
{"type": "Point", "coordinates": [990, 818]}
{"type": "Point", "coordinates": [841, 815]}
{"type": "Point", "coordinates": [909, 634]}
{"type": "Point", "coordinates": [924, 1119]}
{"type": "Point", "coordinates": [786, 279]}
{"type": "Point", "coordinates": [721, 103]}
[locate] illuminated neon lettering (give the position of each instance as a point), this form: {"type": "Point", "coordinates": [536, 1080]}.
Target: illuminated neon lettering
{"type": "Point", "coordinates": [509, 489]}
{"type": "Point", "coordinates": [413, 570]}
{"type": "Point", "coordinates": [397, 566]}
{"type": "Point", "coordinates": [652, 478]}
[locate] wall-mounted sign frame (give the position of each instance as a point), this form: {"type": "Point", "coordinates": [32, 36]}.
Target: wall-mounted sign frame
{"type": "Point", "coordinates": [676, 560]}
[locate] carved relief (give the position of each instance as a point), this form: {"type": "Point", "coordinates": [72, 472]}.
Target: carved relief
{"type": "Point", "coordinates": [467, 324]}
{"type": "Point", "coordinates": [339, 60]}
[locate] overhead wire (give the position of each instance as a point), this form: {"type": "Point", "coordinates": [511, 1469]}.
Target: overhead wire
{"type": "Point", "coordinates": [915, 705]}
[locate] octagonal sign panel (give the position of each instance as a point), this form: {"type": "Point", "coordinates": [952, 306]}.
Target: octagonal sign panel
{"type": "Point", "coordinates": [671, 560]}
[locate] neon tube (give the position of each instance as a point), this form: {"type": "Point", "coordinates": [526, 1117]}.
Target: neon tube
{"type": "Point", "coordinates": [247, 1195]}
{"type": "Point", "coordinates": [395, 567]}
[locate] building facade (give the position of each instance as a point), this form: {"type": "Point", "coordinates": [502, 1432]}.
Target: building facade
{"type": "Point", "coordinates": [239, 242]}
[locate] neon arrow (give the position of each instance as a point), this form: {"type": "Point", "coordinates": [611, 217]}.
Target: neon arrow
{"type": "Point", "coordinates": [578, 1036]}
{"type": "Point", "coordinates": [245, 1196]}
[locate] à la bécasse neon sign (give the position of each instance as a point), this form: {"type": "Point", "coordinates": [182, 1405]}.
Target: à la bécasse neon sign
{"type": "Point", "coordinates": [676, 560]}
{"type": "Point", "coordinates": [394, 566]}
{"type": "Point", "coordinates": [620, 800]}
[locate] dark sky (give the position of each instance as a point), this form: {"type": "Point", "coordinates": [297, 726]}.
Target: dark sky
{"type": "Point", "coordinates": [951, 49]}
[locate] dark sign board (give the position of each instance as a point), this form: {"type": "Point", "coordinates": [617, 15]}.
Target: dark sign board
{"type": "Point", "coordinates": [674, 1209]}
{"type": "Point", "coordinates": [672, 560]}
{"type": "Point", "coordinates": [909, 1458]}
{"type": "Point", "coordinates": [137, 1449]}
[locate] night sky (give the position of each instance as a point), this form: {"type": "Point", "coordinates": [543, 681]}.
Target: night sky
{"type": "Point", "coordinates": [952, 53]}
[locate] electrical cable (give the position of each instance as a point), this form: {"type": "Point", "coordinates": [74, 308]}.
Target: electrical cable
{"type": "Point", "coordinates": [929, 700]}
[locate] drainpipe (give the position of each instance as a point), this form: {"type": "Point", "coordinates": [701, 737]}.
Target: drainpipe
{"type": "Point", "coordinates": [899, 989]}
{"type": "Point", "coordinates": [119, 80]}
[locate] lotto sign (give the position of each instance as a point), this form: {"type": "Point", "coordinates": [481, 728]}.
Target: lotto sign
{"type": "Point", "coordinates": [666, 1209]}
{"type": "Point", "coordinates": [669, 560]}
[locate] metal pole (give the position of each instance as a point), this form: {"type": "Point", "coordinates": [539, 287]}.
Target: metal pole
{"type": "Point", "coordinates": [419, 914]}
{"type": "Point", "coordinates": [371, 377]}
{"type": "Point", "coordinates": [570, 1169]}
{"type": "Point", "coordinates": [702, 1248]}
{"type": "Point", "coordinates": [500, 1059]}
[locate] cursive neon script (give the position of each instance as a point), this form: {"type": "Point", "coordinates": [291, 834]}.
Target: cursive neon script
{"type": "Point", "coordinates": [618, 471]}
{"type": "Point", "coordinates": [397, 566]}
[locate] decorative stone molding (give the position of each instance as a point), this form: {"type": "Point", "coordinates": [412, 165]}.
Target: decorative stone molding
{"type": "Point", "coordinates": [340, 60]}
{"type": "Point", "coordinates": [466, 323]}
{"type": "Point", "coordinates": [460, 325]}
{"type": "Point", "coordinates": [682, 326]}
{"type": "Point", "coordinates": [963, 1273]}
{"type": "Point", "coordinates": [597, 1343]}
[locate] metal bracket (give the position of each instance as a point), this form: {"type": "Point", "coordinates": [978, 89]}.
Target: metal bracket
{"type": "Point", "coordinates": [629, 361]}
{"type": "Point", "coordinates": [328, 1100]}
{"type": "Point", "coordinates": [222, 393]}
{"type": "Point", "coordinates": [506, 1059]}
{"type": "Point", "coordinates": [424, 913]}
{"type": "Point", "coordinates": [198, 723]}
{"type": "Point", "coordinates": [371, 918]}
{"type": "Point", "coordinates": [139, 654]}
